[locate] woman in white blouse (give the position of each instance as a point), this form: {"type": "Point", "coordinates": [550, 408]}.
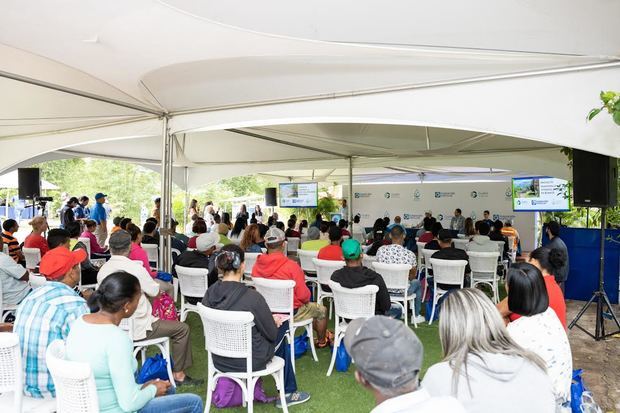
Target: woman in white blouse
{"type": "Point", "coordinates": [539, 329]}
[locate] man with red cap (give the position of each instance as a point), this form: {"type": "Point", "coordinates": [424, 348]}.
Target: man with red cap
{"type": "Point", "coordinates": [46, 314]}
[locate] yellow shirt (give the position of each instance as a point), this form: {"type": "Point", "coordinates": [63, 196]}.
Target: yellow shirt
{"type": "Point", "coordinates": [314, 245]}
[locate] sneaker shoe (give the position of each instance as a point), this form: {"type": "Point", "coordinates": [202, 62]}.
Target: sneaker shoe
{"type": "Point", "coordinates": [190, 382]}
{"type": "Point", "coordinates": [294, 398]}
{"type": "Point", "coordinates": [419, 319]}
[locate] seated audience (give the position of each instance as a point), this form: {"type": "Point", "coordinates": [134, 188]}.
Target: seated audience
{"type": "Point", "coordinates": [199, 227]}
{"type": "Point", "coordinates": [483, 367]}
{"type": "Point", "coordinates": [138, 253]}
{"type": "Point", "coordinates": [124, 222]}
{"type": "Point", "coordinates": [547, 261]}
{"type": "Point", "coordinates": [539, 329]}
{"type": "Point", "coordinates": [388, 360]}
{"type": "Point", "coordinates": [427, 236]}
{"type": "Point", "coordinates": [222, 230]}
{"type": "Point", "coordinates": [35, 239]}
{"type": "Point", "coordinates": [90, 227]}
{"type": "Point", "coordinates": [333, 251]}
{"type": "Point", "coordinates": [379, 241]}
{"type": "Point", "coordinates": [250, 242]}
{"type": "Point", "coordinates": [149, 233]}
{"type": "Point", "coordinates": [357, 229]}
{"type": "Point", "coordinates": [202, 257]}
{"type": "Point", "coordinates": [482, 242]}
{"type": "Point", "coordinates": [190, 225]}
{"type": "Point", "coordinates": [290, 231]}
{"type": "Point", "coordinates": [324, 231]}
{"type": "Point", "coordinates": [96, 339]}
{"type": "Point", "coordinates": [280, 226]}
{"type": "Point", "coordinates": [317, 222]}
{"type": "Point", "coordinates": [496, 235]}
{"type": "Point", "coordinates": [378, 227]}
{"type": "Point", "coordinates": [117, 224]}
{"type": "Point", "coordinates": [182, 238]}
{"type": "Point", "coordinates": [58, 237]}
{"type": "Point", "coordinates": [226, 220]}
{"type": "Point", "coordinates": [448, 252]}
{"type": "Point", "coordinates": [468, 229]}
{"type": "Point", "coordinates": [10, 227]}
{"type": "Point", "coordinates": [433, 244]}
{"type": "Point", "coordinates": [397, 220]}
{"type": "Point", "coordinates": [354, 275]}
{"type": "Point", "coordinates": [342, 224]}
{"type": "Point", "coordinates": [145, 325]}
{"type": "Point", "coordinates": [396, 253]}
{"type": "Point", "coordinates": [238, 229]}
{"type": "Point", "coordinates": [14, 279]}
{"type": "Point", "coordinates": [232, 295]}
{"type": "Point", "coordinates": [262, 230]}
{"type": "Point", "coordinates": [46, 315]}
{"type": "Point", "coordinates": [313, 243]}
{"type": "Point", "coordinates": [88, 270]}
{"type": "Point", "coordinates": [303, 227]}
{"type": "Point", "coordinates": [509, 231]}
{"type": "Point", "coordinates": [275, 265]}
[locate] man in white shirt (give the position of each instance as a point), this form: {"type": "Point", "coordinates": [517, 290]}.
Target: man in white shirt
{"type": "Point", "coordinates": [395, 253]}
{"type": "Point", "coordinates": [145, 325]}
{"type": "Point", "coordinates": [388, 358]}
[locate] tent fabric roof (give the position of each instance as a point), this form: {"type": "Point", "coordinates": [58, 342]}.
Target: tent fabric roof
{"type": "Point", "coordinates": [318, 86]}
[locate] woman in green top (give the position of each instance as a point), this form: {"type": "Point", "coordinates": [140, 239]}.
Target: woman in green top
{"type": "Point", "coordinates": [97, 340]}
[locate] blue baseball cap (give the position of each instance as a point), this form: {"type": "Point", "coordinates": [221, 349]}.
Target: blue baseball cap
{"type": "Point", "coordinates": [100, 195]}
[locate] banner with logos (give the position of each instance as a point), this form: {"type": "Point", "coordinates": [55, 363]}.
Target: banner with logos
{"type": "Point", "coordinates": [410, 201]}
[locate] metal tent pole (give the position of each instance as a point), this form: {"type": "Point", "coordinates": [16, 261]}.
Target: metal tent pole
{"type": "Point", "coordinates": [350, 203]}
{"type": "Point", "coordinates": [166, 199]}
{"type": "Point", "coordinates": [186, 200]}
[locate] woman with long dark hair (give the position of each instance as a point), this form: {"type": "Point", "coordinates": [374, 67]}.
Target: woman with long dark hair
{"type": "Point", "coordinates": [238, 228]}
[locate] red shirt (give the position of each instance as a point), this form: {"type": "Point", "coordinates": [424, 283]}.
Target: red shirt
{"type": "Point", "coordinates": [426, 237]}
{"type": "Point", "coordinates": [331, 253]}
{"type": "Point", "coordinates": [556, 300]}
{"type": "Point", "coordinates": [278, 267]}
{"type": "Point", "coordinates": [344, 232]}
{"type": "Point", "coordinates": [36, 241]}
{"type": "Point", "coordinates": [192, 242]}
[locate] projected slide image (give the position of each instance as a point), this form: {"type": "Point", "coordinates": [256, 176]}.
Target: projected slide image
{"type": "Point", "coordinates": [540, 194]}
{"type": "Point", "coordinates": [527, 188]}
{"type": "Point", "coordinates": [298, 195]}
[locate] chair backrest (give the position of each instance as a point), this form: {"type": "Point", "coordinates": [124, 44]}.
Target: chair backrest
{"type": "Point", "coordinates": [75, 385]}
{"type": "Point", "coordinates": [152, 252]}
{"type": "Point", "coordinates": [33, 257]}
{"type": "Point", "coordinates": [37, 280]}
{"type": "Point", "coordinates": [427, 257]}
{"type": "Point", "coordinates": [483, 262]}
{"type": "Point", "coordinates": [512, 243]}
{"type": "Point", "coordinates": [367, 260]}
{"type": "Point", "coordinates": [325, 269]}
{"type": "Point", "coordinates": [500, 247]}
{"type": "Point", "coordinates": [352, 303]}
{"type": "Point", "coordinates": [5, 249]}
{"type": "Point", "coordinates": [277, 293]}
{"type": "Point", "coordinates": [86, 242]}
{"type": "Point", "coordinates": [345, 237]}
{"type": "Point", "coordinates": [227, 333]}
{"type": "Point", "coordinates": [126, 324]}
{"type": "Point", "coordinates": [175, 253]}
{"type": "Point", "coordinates": [11, 375]}
{"type": "Point", "coordinates": [193, 282]}
{"type": "Point", "coordinates": [250, 259]}
{"type": "Point", "coordinates": [305, 260]}
{"type": "Point", "coordinates": [396, 276]}
{"type": "Point", "coordinates": [293, 244]}
{"type": "Point", "coordinates": [460, 243]}
{"type": "Point", "coordinates": [448, 271]}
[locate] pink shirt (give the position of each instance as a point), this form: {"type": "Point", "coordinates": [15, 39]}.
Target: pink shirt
{"type": "Point", "coordinates": [137, 253]}
{"type": "Point", "coordinates": [95, 248]}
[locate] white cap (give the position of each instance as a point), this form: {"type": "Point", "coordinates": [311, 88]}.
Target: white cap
{"type": "Point", "coordinates": [206, 241]}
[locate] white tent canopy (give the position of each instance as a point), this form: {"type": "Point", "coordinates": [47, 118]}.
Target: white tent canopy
{"type": "Point", "coordinates": [108, 71]}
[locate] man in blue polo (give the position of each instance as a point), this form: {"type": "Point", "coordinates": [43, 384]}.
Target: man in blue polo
{"type": "Point", "coordinates": [99, 215]}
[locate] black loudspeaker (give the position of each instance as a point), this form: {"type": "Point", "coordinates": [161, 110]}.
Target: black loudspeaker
{"type": "Point", "coordinates": [29, 183]}
{"type": "Point", "coordinates": [595, 180]}
{"type": "Point", "coordinates": [271, 198]}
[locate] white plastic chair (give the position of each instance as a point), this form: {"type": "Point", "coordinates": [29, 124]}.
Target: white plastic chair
{"type": "Point", "coordinates": [420, 256]}
{"type": "Point", "coordinates": [324, 271]}
{"type": "Point", "coordinates": [396, 277]}
{"type": "Point", "coordinates": [279, 295]}
{"type": "Point", "coordinates": [307, 265]}
{"type": "Point", "coordinates": [152, 252]}
{"type": "Point", "coordinates": [32, 256]}
{"type": "Point", "coordinates": [500, 248]}
{"type": "Point", "coordinates": [5, 249]}
{"type": "Point", "coordinates": [12, 398]}
{"type": "Point", "coordinates": [293, 244]}
{"type": "Point", "coordinates": [74, 382]}
{"type": "Point", "coordinates": [249, 259]}
{"type": "Point", "coordinates": [140, 346]}
{"type": "Point", "coordinates": [484, 270]}
{"type": "Point", "coordinates": [428, 266]}
{"type": "Point", "coordinates": [229, 334]}
{"type": "Point", "coordinates": [86, 242]}
{"type": "Point", "coordinates": [367, 260]}
{"type": "Point", "coordinates": [351, 303]}
{"type": "Point", "coordinates": [446, 272]}
{"type": "Point", "coordinates": [10, 309]}
{"type": "Point", "coordinates": [36, 280]}
{"type": "Point", "coordinates": [460, 244]}
{"type": "Point", "coordinates": [193, 282]}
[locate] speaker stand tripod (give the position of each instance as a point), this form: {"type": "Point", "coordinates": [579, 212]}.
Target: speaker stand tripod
{"type": "Point", "coordinates": [602, 301]}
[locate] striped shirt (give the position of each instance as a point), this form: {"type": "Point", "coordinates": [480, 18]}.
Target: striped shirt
{"type": "Point", "coordinates": [45, 315]}
{"type": "Point", "coordinates": [13, 245]}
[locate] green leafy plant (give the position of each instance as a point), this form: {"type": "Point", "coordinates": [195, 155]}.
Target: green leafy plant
{"type": "Point", "coordinates": [611, 102]}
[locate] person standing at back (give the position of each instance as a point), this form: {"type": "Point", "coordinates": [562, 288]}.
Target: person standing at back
{"type": "Point", "coordinates": [81, 211]}
{"type": "Point", "coordinates": [553, 232]}
{"type": "Point", "coordinates": [66, 213]}
{"type": "Point", "coordinates": [100, 216]}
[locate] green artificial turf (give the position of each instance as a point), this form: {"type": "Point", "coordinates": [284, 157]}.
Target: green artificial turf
{"type": "Point", "coordinates": [339, 392]}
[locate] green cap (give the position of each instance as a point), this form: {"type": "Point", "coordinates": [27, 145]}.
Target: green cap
{"type": "Point", "coordinates": [351, 249]}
